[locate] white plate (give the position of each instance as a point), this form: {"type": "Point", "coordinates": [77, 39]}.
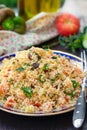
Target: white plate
{"type": "Point", "coordinates": [64, 110]}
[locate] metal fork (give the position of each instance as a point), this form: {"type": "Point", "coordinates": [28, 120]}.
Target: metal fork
{"type": "Point", "coordinates": [80, 108]}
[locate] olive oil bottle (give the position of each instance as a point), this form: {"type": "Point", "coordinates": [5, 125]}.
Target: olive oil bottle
{"type": "Point", "coordinates": [30, 8]}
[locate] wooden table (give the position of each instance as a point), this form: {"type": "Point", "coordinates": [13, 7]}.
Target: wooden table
{"type": "Point", "coordinates": [58, 122]}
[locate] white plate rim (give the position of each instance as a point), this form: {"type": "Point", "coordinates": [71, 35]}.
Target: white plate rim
{"type": "Point", "coordinates": [65, 110]}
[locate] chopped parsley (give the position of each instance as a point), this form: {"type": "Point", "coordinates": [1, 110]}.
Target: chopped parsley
{"type": "Point", "coordinates": [45, 67]}
{"type": "Point", "coordinates": [75, 83]}
{"type": "Point", "coordinates": [72, 94]}
{"type": "Point", "coordinates": [54, 57]}
{"type": "Point", "coordinates": [26, 64]}
{"type": "Point", "coordinates": [56, 76]}
{"type": "Point", "coordinates": [27, 91]}
{"type": "Point", "coordinates": [20, 69]}
{"type": "Point", "coordinates": [40, 79]}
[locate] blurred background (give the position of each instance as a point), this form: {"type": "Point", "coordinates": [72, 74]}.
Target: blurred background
{"type": "Point", "coordinates": [9, 3]}
{"type": "Point", "coordinates": [27, 8]}
{"type": "Point", "coordinates": [13, 3]}
{"type": "Point", "coordinates": [82, 4]}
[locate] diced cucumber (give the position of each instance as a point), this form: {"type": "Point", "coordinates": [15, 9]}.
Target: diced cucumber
{"type": "Point", "coordinates": [84, 43]}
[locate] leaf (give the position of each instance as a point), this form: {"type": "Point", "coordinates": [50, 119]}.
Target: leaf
{"type": "Point", "coordinates": [72, 94]}
{"type": "Point", "coordinates": [75, 83]}
{"type": "Point", "coordinates": [20, 69]}
{"type": "Point", "coordinates": [73, 42]}
{"type": "Point", "coordinates": [47, 47]}
{"type": "Point", "coordinates": [40, 78]}
{"type": "Point", "coordinates": [62, 44]}
{"type": "Point", "coordinates": [26, 64]}
{"type": "Point", "coordinates": [54, 57]}
{"type": "Point", "coordinates": [45, 67]}
{"type": "Point", "coordinates": [27, 91]}
{"type": "Point", "coordinates": [56, 76]}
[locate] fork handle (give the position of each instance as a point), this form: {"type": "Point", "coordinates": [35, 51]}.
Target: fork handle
{"type": "Point", "coordinates": [80, 110]}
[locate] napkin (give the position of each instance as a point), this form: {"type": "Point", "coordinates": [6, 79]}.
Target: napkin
{"type": "Point", "coordinates": [39, 29]}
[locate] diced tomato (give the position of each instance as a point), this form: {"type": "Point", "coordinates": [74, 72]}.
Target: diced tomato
{"type": "Point", "coordinates": [9, 69]}
{"type": "Point", "coordinates": [9, 102]}
{"type": "Point", "coordinates": [8, 105]}
{"type": "Point", "coordinates": [37, 104]}
{"type": "Point", "coordinates": [5, 75]}
{"type": "Point", "coordinates": [1, 91]}
{"type": "Point", "coordinates": [67, 99]}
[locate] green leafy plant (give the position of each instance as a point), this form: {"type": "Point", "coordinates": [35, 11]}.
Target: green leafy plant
{"type": "Point", "coordinates": [73, 42]}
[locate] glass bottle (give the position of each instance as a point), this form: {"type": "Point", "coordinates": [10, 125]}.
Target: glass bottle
{"type": "Point", "coordinates": [30, 8]}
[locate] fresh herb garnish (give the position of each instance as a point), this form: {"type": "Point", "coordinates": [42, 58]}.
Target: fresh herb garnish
{"type": "Point", "coordinates": [56, 76]}
{"type": "Point", "coordinates": [53, 80]}
{"type": "Point", "coordinates": [47, 47]}
{"type": "Point", "coordinates": [26, 64]}
{"type": "Point", "coordinates": [20, 69]}
{"type": "Point", "coordinates": [72, 42]}
{"type": "Point", "coordinates": [27, 91]}
{"type": "Point", "coordinates": [40, 79]}
{"type": "Point", "coordinates": [75, 83]}
{"type": "Point", "coordinates": [72, 94]}
{"type": "Point", "coordinates": [45, 67]}
{"type": "Point", "coordinates": [54, 57]}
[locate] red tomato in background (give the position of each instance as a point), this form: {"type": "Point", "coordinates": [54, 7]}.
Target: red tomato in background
{"type": "Point", "coordinates": [67, 24]}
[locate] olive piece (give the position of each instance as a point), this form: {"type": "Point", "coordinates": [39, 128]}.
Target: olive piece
{"type": "Point", "coordinates": [35, 65]}
{"type": "Point", "coordinates": [29, 56]}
